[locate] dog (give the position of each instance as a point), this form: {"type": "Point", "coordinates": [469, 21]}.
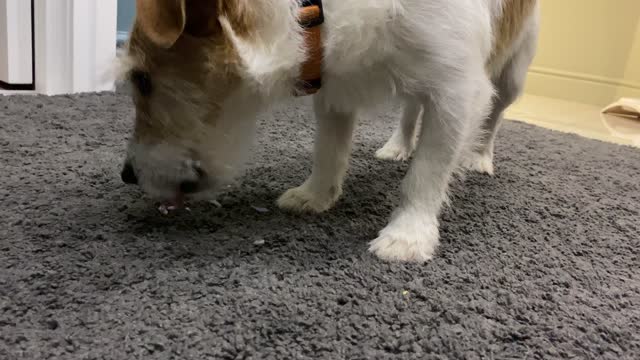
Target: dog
{"type": "Point", "coordinates": [203, 69]}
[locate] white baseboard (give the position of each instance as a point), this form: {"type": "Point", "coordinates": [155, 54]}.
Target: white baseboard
{"type": "Point", "coordinates": [579, 87]}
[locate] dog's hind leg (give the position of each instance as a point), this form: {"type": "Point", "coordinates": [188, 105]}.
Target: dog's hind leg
{"type": "Point", "coordinates": [508, 85]}
{"type": "Point", "coordinates": [403, 141]}
{"type": "Point", "coordinates": [332, 149]}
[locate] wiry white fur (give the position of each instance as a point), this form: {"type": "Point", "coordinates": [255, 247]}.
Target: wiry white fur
{"type": "Point", "coordinates": [432, 54]}
{"type": "Point", "coordinates": [273, 54]}
{"type": "Point", "coordinates": [429, 53]}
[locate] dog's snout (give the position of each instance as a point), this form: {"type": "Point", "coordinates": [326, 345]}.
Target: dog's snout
{"type": "Point", "coordinates": [128, 175]}
{"type": "Point", "coordinates": [186, 181]}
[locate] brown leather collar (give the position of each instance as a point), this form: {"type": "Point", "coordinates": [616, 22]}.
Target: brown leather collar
{"type": "Point", "coordinates": [311, 17]}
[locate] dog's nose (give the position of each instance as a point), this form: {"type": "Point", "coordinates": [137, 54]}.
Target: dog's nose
{"type": "Point", "coordinates": [189, 187]}
{"type": "Point", "coordinates": [128, 175]}
{"type": "Point", "coordinates": [192, 186]}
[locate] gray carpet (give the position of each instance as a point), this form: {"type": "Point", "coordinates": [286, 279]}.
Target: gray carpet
{"type": "Point", "coordinates": [538, 262]}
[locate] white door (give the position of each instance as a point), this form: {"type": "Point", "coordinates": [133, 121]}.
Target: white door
{"type": "Point", "coordinates": [16, 44]}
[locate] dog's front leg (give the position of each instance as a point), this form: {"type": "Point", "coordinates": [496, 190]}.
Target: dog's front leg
{"type": "Point", "coordinates": [331, 159]}
{"type": "Point", "coordinates": [402, 143]}
{"type": "Point", "coordinates": [451, 112]}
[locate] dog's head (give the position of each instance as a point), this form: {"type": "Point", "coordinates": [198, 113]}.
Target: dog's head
{"type": "Point", "coordinates": [200, 70]}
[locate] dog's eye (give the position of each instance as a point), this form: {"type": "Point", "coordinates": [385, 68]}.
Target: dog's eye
{"type": "Point", "coordinates": [142, 82]}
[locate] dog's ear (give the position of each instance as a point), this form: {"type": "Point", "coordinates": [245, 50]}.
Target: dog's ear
{"type": "Point", "coordinates": [164, 21]}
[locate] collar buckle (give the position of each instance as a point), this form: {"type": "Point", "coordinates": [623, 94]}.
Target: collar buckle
{"type": "Point", "coordinates": [312, 13]}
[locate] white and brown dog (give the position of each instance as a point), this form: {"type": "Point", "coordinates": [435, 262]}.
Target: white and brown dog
{"type": "Point", "coordinates": [203, 69]}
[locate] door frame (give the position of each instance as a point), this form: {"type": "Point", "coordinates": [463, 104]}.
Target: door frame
{"type": "Point", "coordinates": [18, 66]}
{"type": "Point", "coordinates": [75, 45]}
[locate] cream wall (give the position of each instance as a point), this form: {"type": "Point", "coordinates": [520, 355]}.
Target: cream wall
{"type": "Point", "coordinates": [632, 73]}
{"type": "Point", "coordinates": [589, 51]}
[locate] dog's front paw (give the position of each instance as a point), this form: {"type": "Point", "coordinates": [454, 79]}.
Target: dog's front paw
{"type": "Point", "coordinates": [407, 238]}
{"type": "Point", "coordinates": [479, 162]}
{"type": "Point", "coordinates": [394, 151]}
{"type": "Point", "coordinates": [301, 199]}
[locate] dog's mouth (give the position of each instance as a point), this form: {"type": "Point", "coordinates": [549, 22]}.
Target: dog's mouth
{"type": "Point", "coordinates": [174, 204]}
{"type": "Point", "coordinates": [181, 201]}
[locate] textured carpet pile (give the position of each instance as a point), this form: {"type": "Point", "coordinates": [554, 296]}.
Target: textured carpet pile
{"type": "Point", "coordinates": [540, 261]}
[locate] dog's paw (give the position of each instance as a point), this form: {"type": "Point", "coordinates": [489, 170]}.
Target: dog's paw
{"type": "Point", "coordinates": [480, 162]}
{"type": "Point", "coordinates": [407, 238]}
{"type": "Point", "coordinates": [394, 151]}
{"type": "Point", "coordinates": [301, 199]}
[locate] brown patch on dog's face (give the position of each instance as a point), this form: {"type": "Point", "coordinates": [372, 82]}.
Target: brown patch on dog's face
{"type": "Point", "coordinates": [183, 71]}
{"type": "Point", "coordinates": [177, 88]}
